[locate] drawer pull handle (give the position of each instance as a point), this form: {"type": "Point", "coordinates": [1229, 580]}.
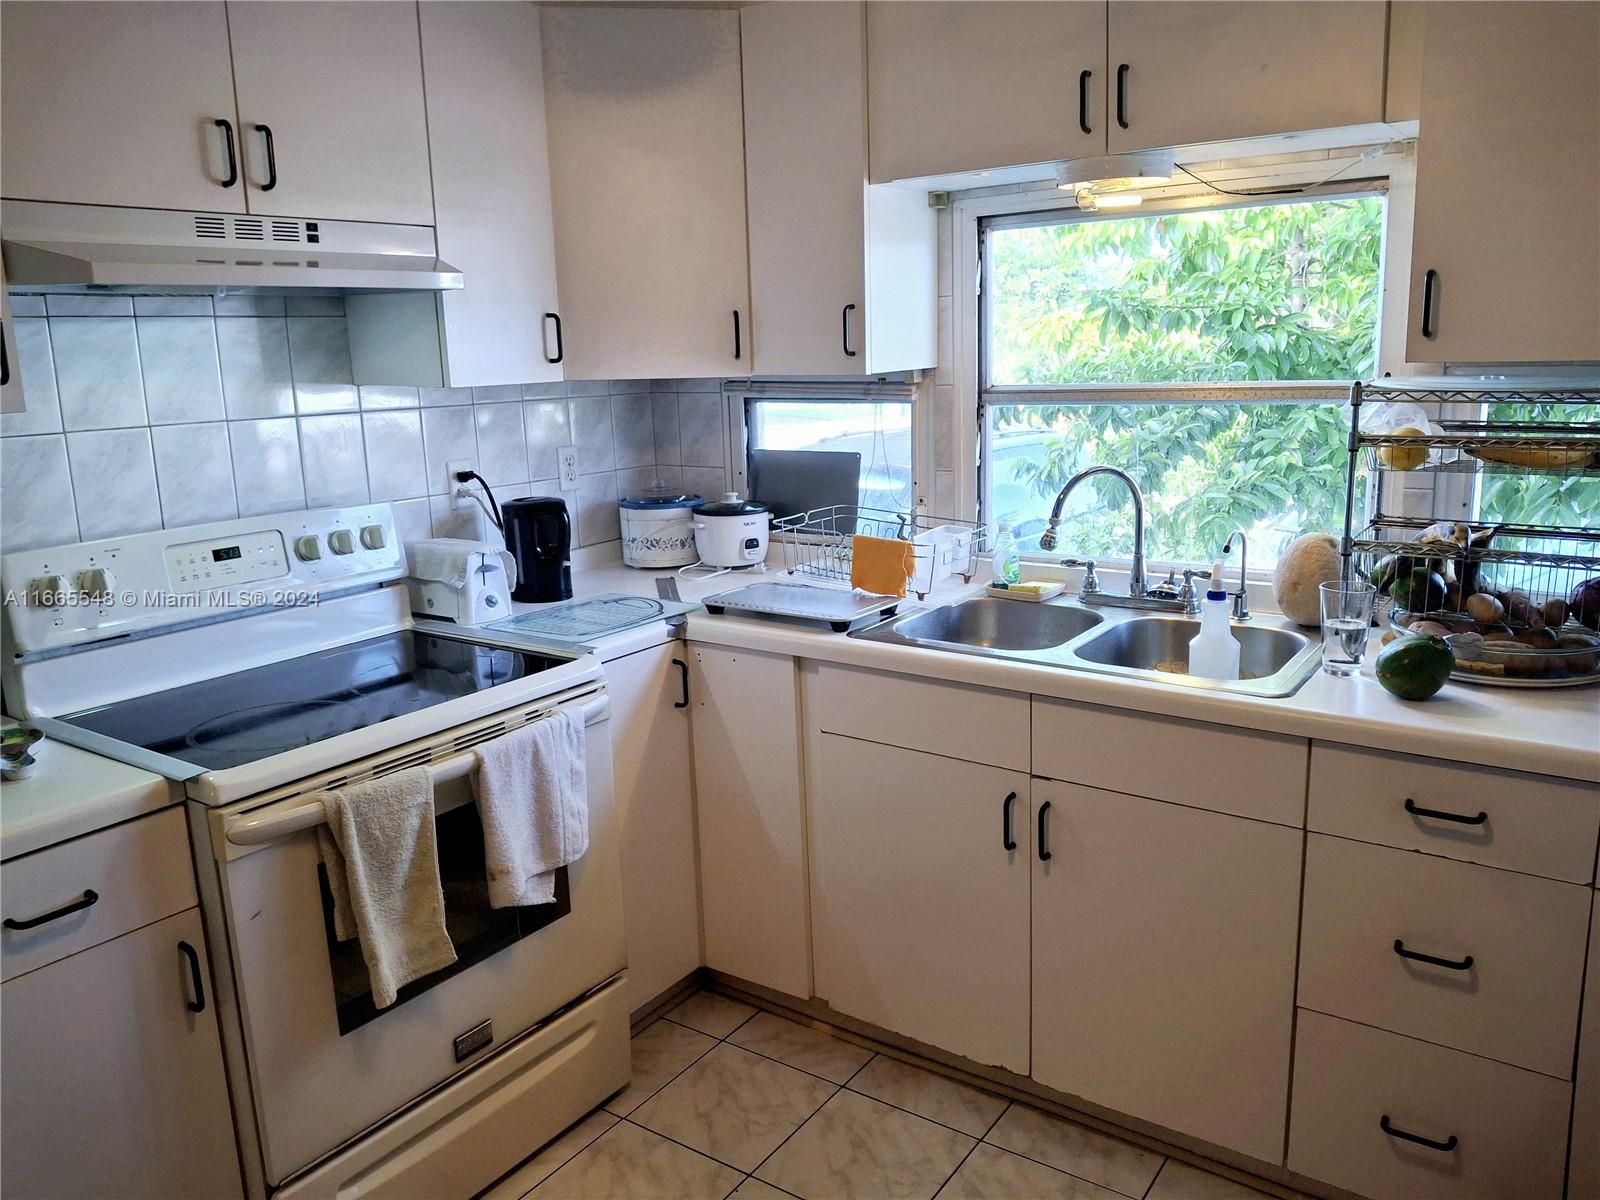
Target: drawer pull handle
{"type": "Point", "coordinates": [1417, 810]}
{"type": "Point", "coordinates": [1394, 1131]}
{"type": "Point", "coordinates": [1008, 840]}
{"type": "Point", "coordinates": [1450, 964]}
{"type": "Point", "coordinates": [88, 900]}
{"type": "Point", "coordinates": [198, 1004]}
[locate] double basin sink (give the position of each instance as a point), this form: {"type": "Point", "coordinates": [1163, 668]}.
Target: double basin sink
{"type": "Point", "coordinates": [1273, 660]}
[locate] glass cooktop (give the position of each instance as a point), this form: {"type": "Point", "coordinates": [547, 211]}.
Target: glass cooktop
{"type": "Point", "coordinates": [236, 719]}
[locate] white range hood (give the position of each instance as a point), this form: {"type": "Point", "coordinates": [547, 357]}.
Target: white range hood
{"type": "Point", "coordinates": [74, 246]}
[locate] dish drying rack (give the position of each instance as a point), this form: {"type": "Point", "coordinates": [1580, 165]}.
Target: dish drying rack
{"type": "Point", "coordinates": [1481, 435]}
{"type": "Point", "coordinates": [817, 544]}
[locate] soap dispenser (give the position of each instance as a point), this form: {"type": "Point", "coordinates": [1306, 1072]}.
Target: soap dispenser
{"type": "Point", "coordinates": [1214, 651]}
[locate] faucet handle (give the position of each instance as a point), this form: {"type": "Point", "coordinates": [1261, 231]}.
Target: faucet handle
{"type": "Point", "coordinates": [1188, 596]}
{"type": "Point", "coordinates": [1091, 581]}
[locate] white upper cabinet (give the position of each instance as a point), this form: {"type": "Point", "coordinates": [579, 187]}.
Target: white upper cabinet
{"type": "Point", "coordinates": [331, 109]}
{"type": "Point", "coordinates": [491, 190]}
{"type": "Point", "coordinates": [1185, 72]}
{"type": "Point", "coordinates": [647, 170]}
{"type": "Point", "coordinates": [1510, 96]}
{"type": "Point", "coordinates": [967, 86]}
{"type": "Point", "coordinates": [116, 103]}
{"type": "Point", "coordinates": [841, 274]}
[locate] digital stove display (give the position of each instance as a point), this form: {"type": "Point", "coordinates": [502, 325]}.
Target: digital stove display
{"type": "Point", "coordinates": [226, 553]}
{"type": "Point", "coordinates": [249, 715]}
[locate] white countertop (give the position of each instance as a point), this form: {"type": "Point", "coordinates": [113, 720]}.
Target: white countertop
{"type": "Point", "coordinates": [72, 792]}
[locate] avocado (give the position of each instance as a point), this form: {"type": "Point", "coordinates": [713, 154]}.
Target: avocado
{"type": "Point", "coordinates": [1414, 667]}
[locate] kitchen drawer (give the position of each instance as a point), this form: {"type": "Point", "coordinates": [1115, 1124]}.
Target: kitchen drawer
{"type": "Point", "coordinates": [1238, 771]}
{"type": "Point", "coordinates": [1507, 1128]}
{"type": "Point", "coordinates": [956, 720]}
{"type": "Point", "coordinates": [139, 872]}
{"type": "Point", "coordinates": [1533, 823]}
{"type": "Point", "coordinates": [1517, 1002]}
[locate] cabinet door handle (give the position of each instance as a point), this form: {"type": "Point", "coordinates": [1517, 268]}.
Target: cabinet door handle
{"type": "Point", "coordinates": [5, 359]}
{"type": "Point", "coordinates": [89, 899]}
{"type": "Point", "coordinates": [1083, 100]}
{"type": "Point", "coordinates": [1044, 833]}
{"type": "Point", "coordinates": [1438, 815]}
{"type": "Point", "coordinates": [1449, 964]}
{"type": "Point", "coordinates": [1122, 95]}
{"type": "Point", "coordinates": [561, 352]}
{"type": "Point", "coordinates": [683, 670]}
{"type": "Point", "coordinates": [1394, 1131]}
{"type": "Point", "coordinates": [1008, 840]}
{"type": "Point", "coordinates": [272, 158]}
{"type": "Point", "coordinates": [198, 1004]}
{"type": "Point", "coordinates": [233, 159]}
{"type": "Point", "coordinates": [738, 346]}
{"type": "Point", "coordinates": [844, 330]}
{"type": "Point", "coordinates": [1430, 277]}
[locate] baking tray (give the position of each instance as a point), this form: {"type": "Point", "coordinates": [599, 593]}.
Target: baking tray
{"type": "Point", "coordinates": [835, 606]}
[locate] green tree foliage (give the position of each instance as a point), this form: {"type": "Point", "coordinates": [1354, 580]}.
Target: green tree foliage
{"type": "Point", "coordinates": [1266, 293]}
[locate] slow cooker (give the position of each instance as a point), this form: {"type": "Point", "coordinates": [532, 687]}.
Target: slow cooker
{"type": "Point", "coordinates": [658, 529]}
{"type": "Point", "coordinates": [731, 532]}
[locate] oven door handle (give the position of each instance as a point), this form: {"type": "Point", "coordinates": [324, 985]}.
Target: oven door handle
{"type": "Point", "coordinates": [275, 821]}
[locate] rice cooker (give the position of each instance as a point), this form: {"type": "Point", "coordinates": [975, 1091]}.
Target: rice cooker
{"type": "Point", "coordinates": [731, 532]}
{"type": "Point", "coordinates": [658, 529]}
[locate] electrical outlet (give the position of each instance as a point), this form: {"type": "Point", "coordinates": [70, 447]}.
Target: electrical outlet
{"type": "Point", "coordinates": [567, 467]}
{"type": "Point", "coordinates": [452, 486]}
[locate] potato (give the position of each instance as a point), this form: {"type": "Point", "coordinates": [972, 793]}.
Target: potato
{"type": "Point", "coordinates": [1429, 628]}
{"type": "Point", "coordinates": [1518, 606]}
{"type": "Point", "coordinates": [1482, 607]}
{"type": "Point", "coordinates": [1582, 663]}
{"type": "Point", "coordinates": [1554, 613]}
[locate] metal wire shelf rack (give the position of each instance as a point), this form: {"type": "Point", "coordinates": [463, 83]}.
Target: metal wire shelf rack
{"type": "Point", "coordinates": [819, 544]}
{"type": "Point", "coordinates": [1430, 502]}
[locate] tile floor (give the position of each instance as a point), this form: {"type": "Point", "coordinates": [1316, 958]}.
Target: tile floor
{"type": "Point", "coordinates": [729, 1101]}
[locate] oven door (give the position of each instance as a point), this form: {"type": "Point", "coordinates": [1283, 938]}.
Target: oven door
{"type": "Point", "coordinates": [324, 1063]}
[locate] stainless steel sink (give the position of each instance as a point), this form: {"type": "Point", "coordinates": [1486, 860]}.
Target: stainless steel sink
{"type": "Point", "coordinates": [1274, 659]}
{"type": "Point", "coordinates": [987, 623]}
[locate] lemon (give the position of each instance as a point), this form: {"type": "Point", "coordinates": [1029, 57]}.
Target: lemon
{"type": "Point", "coordinates": [1404, 458]}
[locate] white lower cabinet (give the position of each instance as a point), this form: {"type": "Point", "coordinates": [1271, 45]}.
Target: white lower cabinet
{"type": "Point", "coordinates": [113, 1080]}
{"type": "Point", "coordinates": [655, 801]}
{"type": "Point", "coordinates": [1583, 1174]}
{"type": "Point", "coordinates": [1395, 1118]}
{"type": "Point", "coordinates": [1164, 962]}
{"type": "Point", "coordinates": [751, 813]}
{"type": "Point", "coordinates": [920, 896]}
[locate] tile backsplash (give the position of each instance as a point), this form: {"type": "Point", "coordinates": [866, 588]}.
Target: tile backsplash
{"type": "Point", "coordinates": [152, 411]}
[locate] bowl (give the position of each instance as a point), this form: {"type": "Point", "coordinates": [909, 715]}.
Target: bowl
{"type": "Point", "coordinates": [1492, 653]}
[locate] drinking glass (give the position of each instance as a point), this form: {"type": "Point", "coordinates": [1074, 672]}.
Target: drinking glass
{"type": "Point", "coordinates": [1346, 621]}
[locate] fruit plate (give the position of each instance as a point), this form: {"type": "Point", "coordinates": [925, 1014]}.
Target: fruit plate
{"type": "Point", "coordinates": [1506, 663]}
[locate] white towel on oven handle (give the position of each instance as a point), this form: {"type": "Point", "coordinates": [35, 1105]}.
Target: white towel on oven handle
{"type": "Point", "coordinates": [380, 848]}
{"type": "Point", "coordinates": [533, 799]}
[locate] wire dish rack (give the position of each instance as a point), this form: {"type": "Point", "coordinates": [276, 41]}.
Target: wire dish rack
{"type": "Point", "coordinates": [818, 544]}
{"type": "Point", "coordinates": [1421, 523]}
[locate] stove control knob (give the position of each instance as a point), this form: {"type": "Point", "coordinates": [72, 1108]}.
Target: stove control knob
{"type": "Point", "coordinates": [47, 591]}
{"type": "Point", "coordinates": [372, 537]}
{"type": "Point", "coordinates": [340, 541]}
{"type": "Point", "coordinates": [96, 580]}
{"type": "Point", "coordinates": [308, 548]}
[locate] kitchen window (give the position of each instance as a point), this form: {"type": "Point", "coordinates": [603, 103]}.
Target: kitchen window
{"type": "Point", "coordinates": [1206, 350]}
{"type": "Point", "coordinates": [807, 452]}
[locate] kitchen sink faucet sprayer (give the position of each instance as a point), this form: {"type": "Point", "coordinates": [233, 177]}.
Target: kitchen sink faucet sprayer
{"type": "Point", "coordinates": [1047, 540]}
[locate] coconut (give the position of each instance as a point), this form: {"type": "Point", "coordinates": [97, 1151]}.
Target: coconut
{"type": "Point", "coordinates": [1311, 560]}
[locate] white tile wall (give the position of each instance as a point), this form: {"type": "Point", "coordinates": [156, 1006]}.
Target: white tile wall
{"type": "Point", "coordinates": [152, 411]}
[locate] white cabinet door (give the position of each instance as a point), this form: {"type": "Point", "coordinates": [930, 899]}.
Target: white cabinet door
{"type": "Point", "coordinates": [751, 813]}
{"type": "Point", "coordinates": [491, 192]}
{"type": "Point", "coordinates": [841, 274]}
{"type": "Point", "coordinates": [647, 179]}
{"type": "Point", "coordinates": [920, 909]}
{"type": "Point", "coordinates": [969, 85]}
{"type": "Point", "coordinates": [655, 800]}
{"type": "Point", "coordinates": [1164, 962]}
{"type": "Point", "coordinates": [1186, 71]}
{"type": "Point", "coordinates": [116, 103]}
{"type": "Point", "coordinates": [1509, 92]}
{"type": "Point", "coordinates": [1583, 1175]}
{"type": "Point", "coordinates": [11, 398]}
{"type": "Point", "coordinates": [338, 84]}
{"type": "Point", "coordinates": [113, 1082]}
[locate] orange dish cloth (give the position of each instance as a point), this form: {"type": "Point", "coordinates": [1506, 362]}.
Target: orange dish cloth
{"type": "Point", "coordinates": [880, 565]}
